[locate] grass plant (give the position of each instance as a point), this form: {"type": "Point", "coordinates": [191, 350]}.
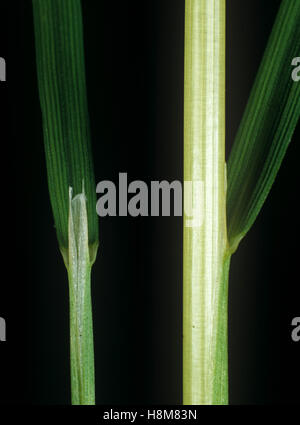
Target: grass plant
{"type": "Point", "coordinates": [63, 99]}
{"type": "Point", "coordinates": [233, 195]}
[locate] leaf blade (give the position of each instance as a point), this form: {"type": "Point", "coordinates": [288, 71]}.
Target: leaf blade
{"type": "Point", "coordinates": [266, 129]}
{"type": "Point", "coordinates": [63, 99]}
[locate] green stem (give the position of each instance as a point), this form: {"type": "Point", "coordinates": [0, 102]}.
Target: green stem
{"type": "Point", "coordinates": [205, 258]}
{"type": "Point", "coordinates": [81, 324]}
{"type": "Point", "coordinates": [81, 340]}
{"type": "Point", "coordinates": [220, 373]}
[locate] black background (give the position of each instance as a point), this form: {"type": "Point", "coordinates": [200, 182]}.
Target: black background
{"type": "Point", "coordinates": [134, 67]}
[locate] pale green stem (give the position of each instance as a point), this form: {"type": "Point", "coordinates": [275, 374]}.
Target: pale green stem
{"type": "Point", "coordinates": [81, 325]}
{"type": "Point", "coordinates": [205, 259]}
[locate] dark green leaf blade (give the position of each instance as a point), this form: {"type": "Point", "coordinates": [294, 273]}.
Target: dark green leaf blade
{"type": "Point", "coordinates": [267, 126]}
{"type": "Point", "coordinates": [62, 90]}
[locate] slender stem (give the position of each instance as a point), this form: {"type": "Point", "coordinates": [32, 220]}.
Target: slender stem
{"type": "Point", "coordinates": [220, 336]}
{"type": "Point", "coordinates": [205, 260]}
{"type": "Point", "coordinates": [81, 325]}
{"type": "Point", "coordinates": [81, 341]}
